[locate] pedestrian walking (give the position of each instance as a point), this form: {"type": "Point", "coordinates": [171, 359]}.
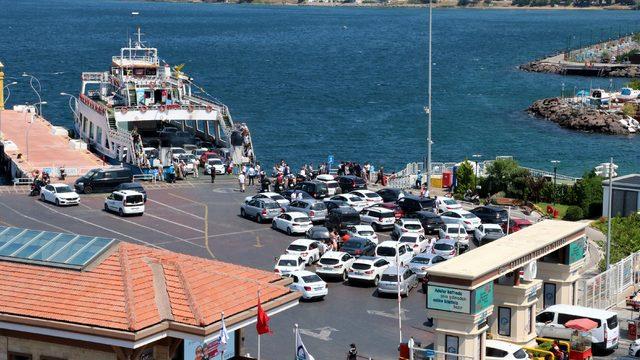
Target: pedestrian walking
{"type": "Point", "coordinates": [213, 175]}
{"type": "Point", "coordinates": [380, 178]}
{"type": "Point", "coordinates": [251, 174]}
{"type": "Point", "coordinates": [195, 167]}
{"type": "Point", "coordinates": [241, 179]}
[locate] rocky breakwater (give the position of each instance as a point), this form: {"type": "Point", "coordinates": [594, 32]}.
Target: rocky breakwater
{"type": "Point", "coordinates": [542, 67]}
{"type": "Point", "coordinates": [582, 118]}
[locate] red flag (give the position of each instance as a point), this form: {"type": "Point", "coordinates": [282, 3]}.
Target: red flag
{"type": "Point", "coordinates": [263, 320]}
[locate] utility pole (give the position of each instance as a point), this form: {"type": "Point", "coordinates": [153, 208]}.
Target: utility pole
{"type": "Point", "coordinates": [428, 108]}
{"type": "Point", "coordinates": [608, 257]}
{"type": "Point", "coordinates": [555, 176]}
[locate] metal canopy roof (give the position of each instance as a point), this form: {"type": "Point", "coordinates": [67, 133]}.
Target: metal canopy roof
{"type": "Point", "coordinates": [50, 248]}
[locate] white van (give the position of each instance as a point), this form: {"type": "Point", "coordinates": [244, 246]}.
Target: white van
{"type": "Point", "coordinates": [550, 324]}
{"type": "Point", "coordinates": [125, 202]}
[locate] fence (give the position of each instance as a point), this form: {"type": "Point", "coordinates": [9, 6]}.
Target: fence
{"type": "Point", "coordinates": [604, 290]}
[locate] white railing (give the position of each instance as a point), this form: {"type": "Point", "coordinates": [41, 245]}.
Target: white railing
{"type": "Point", "coordinates": [604, 290]}
{"type": "Point", "coordinates": [144, 177]}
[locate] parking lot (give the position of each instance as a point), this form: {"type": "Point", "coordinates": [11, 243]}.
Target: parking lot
{"type": "Point", "coordinates": [201, 219]}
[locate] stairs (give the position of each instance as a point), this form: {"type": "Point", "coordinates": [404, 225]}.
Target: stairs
{"type": "Point", "coordinates": [239, 154]}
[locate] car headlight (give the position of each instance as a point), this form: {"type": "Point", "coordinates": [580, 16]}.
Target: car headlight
{"type": "Point", "coordinates": [80, 183]}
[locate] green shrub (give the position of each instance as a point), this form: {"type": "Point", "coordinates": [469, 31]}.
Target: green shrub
{"type": "Point", "coordinates": [574, 213]}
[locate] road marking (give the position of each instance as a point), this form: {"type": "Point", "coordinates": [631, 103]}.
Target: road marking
{"type": "Point", "coordinates": [85, 206]}
{"type": "Point", "coordinates": [96, 225]}
{"type": "Point", "coordinates": [206, 222]}
{"type": "Point", "coordinates": [175, 208]}
{"type": "Point", "coordinates": [322, 333]}
{"type": "Point", "coordinates": [258, 244]}
{"type": "Point", "coordinates": [391, 315]}
{"type": "Point", "coordinates": [224, 190]}
{"type": "Point", "coordinates": [173, 222]}
{"type": "Point", "coordinates": [34, 219]}
{"type": "Point", "coordinates": [146, 227]}
{"type": "Point", "coordinates": [229, 233]}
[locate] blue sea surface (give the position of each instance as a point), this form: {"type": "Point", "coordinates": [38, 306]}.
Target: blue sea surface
{"type": "Point", "coordinates": [352, 82]}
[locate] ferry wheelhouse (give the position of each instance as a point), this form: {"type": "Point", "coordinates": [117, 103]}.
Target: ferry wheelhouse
{"type": "Point", "coordinates": [141, 104]}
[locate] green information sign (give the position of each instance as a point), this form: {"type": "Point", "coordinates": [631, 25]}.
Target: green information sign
{"type": "Point", "coordinates": [448, 299]}
{"type": "Point", "coordinates": [483, 297]}
{"type": "Point", "coordinates": [576, 251]}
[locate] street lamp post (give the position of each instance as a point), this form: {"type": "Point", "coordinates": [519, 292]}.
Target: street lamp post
{"type": "Point", "coordinates": [5, 101]}
{"type": "Point", "coordinates": [427, 109]}
{"type": "Point", "coordinates": [475, 180]}
{"type": "Point", "coordinates": [31, 79]}
{"type": "Point", "coordinates": [74, 109]}
{"type": "Point", "coordinates": [555, 175]}
{"type": "Point", "coordinates": [29, 127]}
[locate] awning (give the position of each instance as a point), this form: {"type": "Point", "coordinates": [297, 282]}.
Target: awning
{"type": "Point", "coordinates": [581, 324]}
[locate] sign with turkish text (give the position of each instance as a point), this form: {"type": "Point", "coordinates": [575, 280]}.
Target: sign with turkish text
{"type": "Point", "coordinates": [448, 299]}
{"type": "Point", "coordinates": [576, 250]}
{"type": "Point", "coordinates": [483, 297]}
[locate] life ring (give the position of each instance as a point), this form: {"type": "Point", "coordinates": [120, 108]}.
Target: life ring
{"type": "Point", "coordinates": [162, 108]}
{"type": "Point", "coordinates": [209, 108]}
{"type": "Point", "coordinates": [143, 109]}
{"type": "Point", "coordinates": [550, 209]}
{"type": "Point", "coordinates": [124, 110]}
{"type": "Point", "coordinates": [190, 108]}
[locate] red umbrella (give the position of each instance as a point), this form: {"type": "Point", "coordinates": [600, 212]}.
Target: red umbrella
{"type": "Point", "coordinates": [581, 324]}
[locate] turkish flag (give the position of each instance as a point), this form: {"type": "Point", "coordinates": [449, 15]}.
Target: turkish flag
{"type": "Point", "coordinates": [263, 320]}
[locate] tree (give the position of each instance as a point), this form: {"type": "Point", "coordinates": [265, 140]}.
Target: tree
{"type": "Point", "coordinates": [629, 109]}
{"type": "Point", "coordinates": [499, 174]}
{"type": "Point", "coordinates": [625, 232]}
{"type": "Point", "coordinates": [465, 178]}
{"type": "Point", "coordinates": [589, 190]}
{"type": "Point", "coordinates": [635, 83]}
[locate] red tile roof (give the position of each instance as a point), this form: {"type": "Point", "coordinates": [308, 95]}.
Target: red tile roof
{"type": "Point", "coordinates": [135, 287]}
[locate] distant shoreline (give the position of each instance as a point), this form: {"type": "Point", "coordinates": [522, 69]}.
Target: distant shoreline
{"type": "Point", "coordinates": [503, 5]}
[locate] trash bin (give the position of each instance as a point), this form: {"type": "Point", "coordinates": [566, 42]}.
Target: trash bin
{"type": "Point", "coordinates": [447, 179]}
{"type": "Point", "coordinates": [632, 330]}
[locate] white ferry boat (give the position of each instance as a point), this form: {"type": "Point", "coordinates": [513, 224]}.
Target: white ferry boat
{"type": "Point", "coordinates": [140, 104]}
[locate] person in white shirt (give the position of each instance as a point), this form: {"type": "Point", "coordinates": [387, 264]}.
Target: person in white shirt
{"type": "Point", "coordinates": [241, 179]}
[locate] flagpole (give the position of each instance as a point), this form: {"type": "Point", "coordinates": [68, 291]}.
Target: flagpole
{"type": "Point", "coordinates": [399, 297]}
{"type": "Point", "coordinates": [259, 333]}
{"type": "Point", "coordinates": [295, 343]}
{"type": "Point", "coordinates": [220, 344]}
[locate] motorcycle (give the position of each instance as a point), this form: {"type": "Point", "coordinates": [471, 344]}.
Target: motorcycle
{"type": "Point", "coordinates": [36, 185]}
{"type": "Point", "coordinates": [472, 198]}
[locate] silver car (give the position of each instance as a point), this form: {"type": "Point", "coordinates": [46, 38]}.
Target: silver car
{"type": "Point", "coordinates": [260, 209]}
{"type": "Point", "coordinates": [389, 281]}
{"type": "Point", "coordinates": [315, 210]}
{"type": "Point", "coordinates": [422, 262]}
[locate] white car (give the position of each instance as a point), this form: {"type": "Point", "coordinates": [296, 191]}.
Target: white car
{"type": "Point", "coordinates": [444, 203]}
{"type": "Point", "coordinates": [634, 348]}
{"type": "Point", "coordinates": [363, 231]}
{"type": "Point", "coordinates": [354, 201]}
{"type": "Point", "coordinates": [288, 263]}
{"type": "Point", "coordinates": [369, 196]}
{"type": "Point", "coordinates": [292, 223]}
{"type": "Point", "coordinates": [388, 249]}
{"type": "Point", "coordinates": [502, 350]}
{"type": "Point", "coordinates": [59, 194]}
{"type": "Point", "coordinates": [367, 269]}
{"type": "Point", "coordinates": [422, 262]}
{"type": "Point", "coordinates": [125, 202]}
{"type": "Point", "coordinates": [447, 248]}
{"type": "Point", "coordinates": [215, 164]}
{"type": "Point", "coordinates": [406, 225]}
{"type": "Point", "coordinates": [469, 220]}
{"type": "Point", "coordinates": [418, 242]}
{"type": "Point", "coordinates": [335, 264]}
{"type": "Point", "coordinates": [333, 188]}
{"type": "Point", "coordinates": [309, 284]}
{"type": "Point", "coordinates": [454, 231]}
{"type": "Point", "coordinates": [486, 233]}
{"type": "Point", "coordinates": [378, 217]}
{"type": "Point", "coordinates": [176, 152]}
{"type": "Point", "coordinates": [188, 163]}
{"type": "Point", "coordinates": [307, 249]}
{"type": "Point", "coordinates": [269, 195]}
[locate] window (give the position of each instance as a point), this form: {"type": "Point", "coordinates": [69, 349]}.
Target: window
{"type": "Point", "coordinates": [451, 345]}
{"type": "Point", "coordinates": [90, 129]}
{"type": "Point", "coordinates": [493, 352]}
{"type": "Point", "coordinates": [545, 317]}
{"type": "Point", "coordinates": [624, 202]}
{"type": "Point", "coordinates": [99, 135]}
{"type": "Point", "coordinates": [504, 321]}
{"type": "Point", "coordinates": [549, 294]}
{"type": "Point", "coordinates": [18, 356]}
{"type": "Point", "coordinates": [528, 320]}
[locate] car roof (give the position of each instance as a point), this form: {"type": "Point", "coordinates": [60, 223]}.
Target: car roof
{"type": "Point", "coordinates": [325, 177]}
{"type": "Point", "coordinates": [362, 227]}
{"type": "Point", "coordinates": [410, 235]}
{"type": "Point", "coordinates": [367, 259]}
{"type": "Point", "coordinates": [334, 254]}
{"type": "Point", "coordinates": [288, 257]}
{"type": "Point", "coordinates": [293, 213]}
{"type": "Point", "coordinates": [363, 191]}
{"type": "Point", "coordinates": [302, 273]}
{"type": "Point", "coordinates": [392, 270]}
{"type": "Point", "coordinates": [319, 228]}
{"type": "Point", "coordinates": [59, 184]}
{"type": "Point", "coordinates": [379, 208]}
{"type": "Point", "coordinates": [580, 311]}
{"type": "Point", "coordinates": [357, 239]}
{"type": "Point", "coordinates": [521, 221]}
{"type": "Point", "coordinates": [503, 345]}
{"type": "Point", "coordinates": [417, 197]}
{"type": "Point", "coordinates": [492, 226]}
{"type": "Point", "coordinates": [267, 200]}
{"type": "Point", "coordinates": [348, 195]}
{"type": "Point", "coordinates": [389, 243]}
{"type": "Point", "coordinates": [303, 241]}
{"type": "Point", "coordinates": [459, 211]}
{"type": "Point", "coordinates": [269, 193]}
{"type": "Point", "coordinates": [128, 192]}
{"type": "Point", "coordinates": [345, 209]}
{"type": "Point", "coordinates": [456, 224]}
{"type": "Point", "coordinates": [425, 256]}
{"type": "Point", "coordinates": [410, 220]}
{"type": "Point", "coordinates": [447, 241]}
{"type": "Point", "coordinates": [308, 201]}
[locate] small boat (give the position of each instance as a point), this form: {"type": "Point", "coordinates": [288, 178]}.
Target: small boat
{"type": "Point", "coordinates": [627, 94]}
{"type": "Point", "coordinates": [599, 97]}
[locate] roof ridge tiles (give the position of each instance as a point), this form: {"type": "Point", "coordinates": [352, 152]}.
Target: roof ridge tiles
{"type": "Point", "coordinates": [128, 290]}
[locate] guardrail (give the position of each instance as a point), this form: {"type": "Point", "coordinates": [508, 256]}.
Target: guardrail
{"type": "Point", "coordinates": [22, 181]}
{"type": "Point", "coordinates": [144, 177]}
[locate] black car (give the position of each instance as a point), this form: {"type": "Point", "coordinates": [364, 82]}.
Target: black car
{"type": "Point", "coordinates": [390, 195]}
{"type": "Point", "coordinates": [430, 221]}
{"type": "Point", "coordinates": [318, 233]}
{"type": "Point", "coordinates": [349, 183]}
{"type": "Point", "coordinates": [342, 217]}
{"type": "Point", "coordinates": [133, 186]}
{"type": "Point", "coordinates": [335, 204]}
{"type": "Point", "coordinates": [317, 189]}
{"type": "Point", "coordinates": [490, 214]}
{"type": "Point", "coordinates": [103, 180]}
{"type": "Point", "coordinates": [412, 203]}
{"type": "Point", "coordinates": [359, 247]}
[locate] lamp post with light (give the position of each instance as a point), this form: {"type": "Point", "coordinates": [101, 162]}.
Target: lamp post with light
{"type": "Point", "coordinates": [31, 79]}
{"type": "Point", "coordinates": [555, 175]}
{"type": "Point", "coordinates": [40, 103]}
{"type": "Point", "coordinates": [5, 101]}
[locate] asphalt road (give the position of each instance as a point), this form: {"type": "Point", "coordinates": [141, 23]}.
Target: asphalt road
{"type": "Point", "coordinates": [202, 219]}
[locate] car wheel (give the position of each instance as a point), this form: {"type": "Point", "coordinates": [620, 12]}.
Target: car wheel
{"type": "Point", "coordinates": [260, 219]}
{"type": "Point", "coordinates": [273, 225]}
{"type": "Point", "coordinates": [88, 189]}
{"type": "Point", "coordinates": [289, 231]}
{"type": "Point", "coordinates": [120, 212]}
{"type": "Point", "coordinates": [345, 277]}
{"type": "Point", "coordinates": [638, 353]}
{"type": "Point", "coordinates": [106, 208]}
{"type": "Point", "coordinates": [57, 202]}
{"type": "Point", "coordinates": [242, 213]}
{"type": "Point", "coordinates": [376, 280]}
{"type": "Point", "coordinates": [376, 227]}
{"type": "Point", "coordinates": [42, 198]}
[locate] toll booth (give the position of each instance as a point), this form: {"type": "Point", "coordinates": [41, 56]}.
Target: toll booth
{"type": "Point", "coordinates": [501, 286]}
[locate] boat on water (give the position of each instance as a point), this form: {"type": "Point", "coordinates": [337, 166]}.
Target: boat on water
{"type": "Point", "coordinates": [627, 94]}
{"type": "Point", "coordinates": [140, 105]}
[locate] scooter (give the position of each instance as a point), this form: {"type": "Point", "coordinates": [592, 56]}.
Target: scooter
{"type": "Point", "coordinates": [36, 185]}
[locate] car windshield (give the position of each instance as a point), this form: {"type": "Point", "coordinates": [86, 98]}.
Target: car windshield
{"type": "Point", "coordinates": [271, 205]}
{"type": "Point", "coordinates": [468, 216]}
{"type": "Point", "coordinates": [443, 247]}
{"type": "Point", "coordinates": [301, 219]}
{"type": "Point", "coordinates": [311, 278]}
{"type": "Point", "coordinates": [133, 200]}
{"type": "Point", "coordinates": [277, 197]}
{"type": "Point", "coordinates": [449, 202]}
{"type": "Point", "coordinates": [288, 262]}
{"type": "Point", "coordinates": [421, 260]}
{"type": "Point", "coordinates": [386, 251]}
{"type": "Point", "coordinates": [178, 151]}
{"type": "Point", "coordinates": [493, 231]}
{"type": "Point", "coordinates": [294, 247]}
{"type": "Point", "coordinates": [408, 239]}
{"type": "Point", "coordinates": [356, 198]}
{"type": "Point", "coordinates": [332, 185]}
{"type": "Point", "coordinates": [413, 226]}
{"type": "Point", "coordinates": [455, 230]}
{"type": "Point", "coordinates": [215, 162]}
{"type": "Point", "coordinates": [64, 189]}
{"type": "Point", "coordinates": [91, 174]}
{"type": "Point", "coordinates": [329, 261]}
{"type": "Point", "coordinates": [372, 195]}
{"type": "Point", "coordinates": [360, 266]}
{"type": "Point", "coordinates": [318, 206]}
{"type": "Point", "coordinates": [365, 233]}
{"type": "Point", "coordinates": [353, 244]}
{"type": "Point", "coordinates": [520, 354]}
{"type": "Point", "coordinates": [387, 215]}
{"type": "Point", "coordinates": [389, 278]}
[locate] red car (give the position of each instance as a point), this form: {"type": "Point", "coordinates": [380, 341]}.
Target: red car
{"type": "Point", "coordinates": [516, 225]}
